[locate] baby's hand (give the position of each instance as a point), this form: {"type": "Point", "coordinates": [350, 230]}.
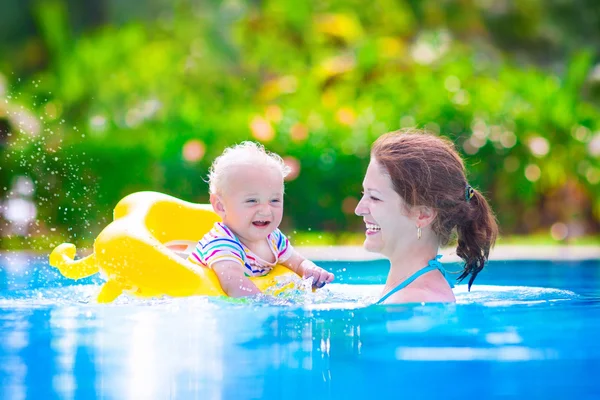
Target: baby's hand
{"type": "Point", "coordinates": [319, 275]}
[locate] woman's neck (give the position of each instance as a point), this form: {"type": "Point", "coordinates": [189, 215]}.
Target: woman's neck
{"type": "Point", "coordinates": [406, 261]}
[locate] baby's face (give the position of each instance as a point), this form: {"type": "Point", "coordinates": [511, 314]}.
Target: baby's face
{"type": "Point", "coordinates": [252, 200]}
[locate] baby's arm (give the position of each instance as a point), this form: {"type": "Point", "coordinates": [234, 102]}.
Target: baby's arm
{"type": "Point", "coordinates": [233, 280]}
{"type": "Point", "coordinates": [306, 268]}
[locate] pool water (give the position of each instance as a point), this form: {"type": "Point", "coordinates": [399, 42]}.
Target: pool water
{"type": "Point", "coordinates": [528, 329]}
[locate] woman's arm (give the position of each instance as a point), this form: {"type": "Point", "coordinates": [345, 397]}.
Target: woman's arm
{"type": "Point", "coordinates": [233, 280]}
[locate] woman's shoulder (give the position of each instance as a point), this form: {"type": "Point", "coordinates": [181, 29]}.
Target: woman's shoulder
{"type": "Point", "coordinates": [422, 294]}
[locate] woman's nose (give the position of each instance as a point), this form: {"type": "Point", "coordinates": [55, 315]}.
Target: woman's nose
{"type": "Point", "coordinates": [360, 209]}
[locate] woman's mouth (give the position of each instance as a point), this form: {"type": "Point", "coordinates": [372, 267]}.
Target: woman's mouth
{"type": "Point", "coordinates": [372, 229]}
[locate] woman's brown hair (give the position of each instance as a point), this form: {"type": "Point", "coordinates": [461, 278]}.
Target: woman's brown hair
{"type": "Point", "coordinates": [427, 171]}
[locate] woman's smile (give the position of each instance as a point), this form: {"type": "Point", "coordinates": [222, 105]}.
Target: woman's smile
{"type": "Point", "coordinates": [372, 229]}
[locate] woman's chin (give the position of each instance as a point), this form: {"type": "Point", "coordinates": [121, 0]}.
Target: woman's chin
{"type": "Point", "coordinates": [372, 247]}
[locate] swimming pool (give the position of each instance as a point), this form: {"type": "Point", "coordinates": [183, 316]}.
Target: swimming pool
{"type": "Point", "coordinates": [527, 329]}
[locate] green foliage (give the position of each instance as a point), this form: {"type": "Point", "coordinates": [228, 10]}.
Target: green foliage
{"type": "Point", "coordinates": [317, 83]}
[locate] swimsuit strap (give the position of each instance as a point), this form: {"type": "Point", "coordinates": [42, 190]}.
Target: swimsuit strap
{"type": "Point", "coordinates": [432, 265]}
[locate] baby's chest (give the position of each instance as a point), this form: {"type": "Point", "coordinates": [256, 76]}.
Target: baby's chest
{"type": "Point", "coordinates": [260, 253]}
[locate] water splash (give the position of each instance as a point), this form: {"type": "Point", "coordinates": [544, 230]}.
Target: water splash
{"type": "Point", "coordinates": [289, 292]}
{"type": "Point", "coordinates": [36, 146]}
{"type": "Point", "coordinates": [503, 296]}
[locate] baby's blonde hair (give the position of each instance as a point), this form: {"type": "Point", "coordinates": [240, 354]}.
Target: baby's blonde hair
{"type": "Point", "coordinates": [245, 153]}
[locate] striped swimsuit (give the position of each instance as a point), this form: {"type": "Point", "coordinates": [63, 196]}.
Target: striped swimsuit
{"type": "Point", "coordinates": [221, 244]}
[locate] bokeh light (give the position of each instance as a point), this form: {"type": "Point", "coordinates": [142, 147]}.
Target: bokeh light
{"type": "Point", "coordinates": [539, 146]}
{"type": "Point", "coordinates": [262, 129]}
{"type": "Point", "coordinates": [345, 116]}
{"type": "Point", "coordinates": [274, 113]}
{"type": "Point", "coordinates": [533, 172]}
{"type": "Point", "coordinates": [594, 145]}
{"type": "Point", "coordinates": [349, 205]}
{"type": "Point", "coordinates": [299, 132]}
{"type": "Point", "coordinates": [294, 164]}
{"type": "Point", "coordinates": [559, 231]}
{"type": "Point", "coordinates": [193, 150]}
{"type": "Point", "coordinates": [452, 84]}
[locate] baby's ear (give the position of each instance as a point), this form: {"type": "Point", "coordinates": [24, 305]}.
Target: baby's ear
{"type": "Point", "coordinates": [217, 205]}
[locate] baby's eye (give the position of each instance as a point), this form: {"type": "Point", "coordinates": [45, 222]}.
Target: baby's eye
{"type": "Point", "coordinates": [276, 200]}
{"type": "Point", "coordinates": [251, 201]}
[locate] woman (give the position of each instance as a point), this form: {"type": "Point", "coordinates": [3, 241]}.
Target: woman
{"type": "Point", "coordinates": [415, 196]}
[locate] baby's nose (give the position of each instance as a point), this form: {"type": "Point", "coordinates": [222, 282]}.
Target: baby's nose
{"type": "Point", "coordinates": [264, 210]}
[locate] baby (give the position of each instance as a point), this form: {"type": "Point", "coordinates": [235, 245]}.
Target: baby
{"type": "Point", "coordinates": [246, 191]}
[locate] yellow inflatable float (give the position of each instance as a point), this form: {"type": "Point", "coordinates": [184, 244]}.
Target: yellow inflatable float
{"type": "Point", "coordinates": [132, 256]}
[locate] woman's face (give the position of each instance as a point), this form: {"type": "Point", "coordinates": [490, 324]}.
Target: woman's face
{"type": "Point", "coordinates": [388, 226]}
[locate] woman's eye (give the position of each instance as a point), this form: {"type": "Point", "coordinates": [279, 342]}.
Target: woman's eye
{"type": "Point", "coordinates": [370, 196]}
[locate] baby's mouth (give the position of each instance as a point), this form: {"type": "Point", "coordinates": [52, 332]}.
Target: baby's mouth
{"type": "Point", "coordinates": [261, 224]}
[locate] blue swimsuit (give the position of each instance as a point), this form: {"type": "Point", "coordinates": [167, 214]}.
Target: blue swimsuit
{"type": "Point", "coordinates": [431, 266]}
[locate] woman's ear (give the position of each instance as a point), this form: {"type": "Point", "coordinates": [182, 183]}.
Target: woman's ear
{"type": "Point", "coordinates": [424, 215]}
{"type": "Point", "coordinates": [217, 205]}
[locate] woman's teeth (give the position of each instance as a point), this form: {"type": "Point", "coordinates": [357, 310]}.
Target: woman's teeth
{"type": "Point", "coordinates": [372, 227]}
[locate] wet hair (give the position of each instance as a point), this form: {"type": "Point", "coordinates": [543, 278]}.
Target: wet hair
{"type": "Point", "coordinates": [426, 170]}
{"type": "Point", "coordinates": [245, 153]}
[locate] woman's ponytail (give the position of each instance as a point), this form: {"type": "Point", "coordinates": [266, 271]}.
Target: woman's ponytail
{"type": "Point", "coordinates": [477, 234]}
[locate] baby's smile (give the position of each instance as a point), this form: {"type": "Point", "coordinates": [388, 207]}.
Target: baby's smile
{"type": "Point", "coordinates": [261, 223]}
